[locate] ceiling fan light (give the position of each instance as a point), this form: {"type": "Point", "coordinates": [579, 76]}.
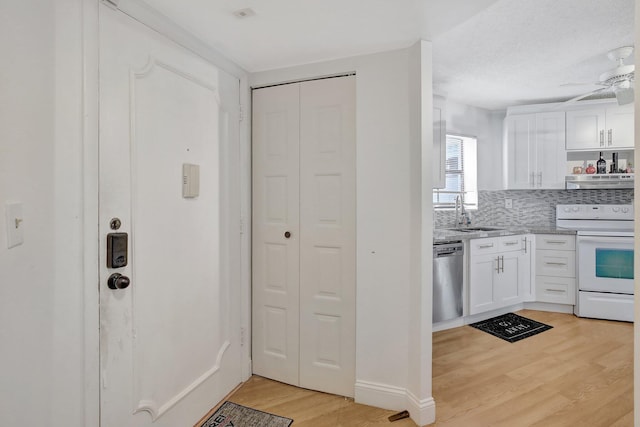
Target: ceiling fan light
{"type": "Point", "coordinates": [624, 95]}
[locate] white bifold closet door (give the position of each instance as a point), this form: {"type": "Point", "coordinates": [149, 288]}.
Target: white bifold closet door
{"type": "Point", "coordinates": [304, 234]}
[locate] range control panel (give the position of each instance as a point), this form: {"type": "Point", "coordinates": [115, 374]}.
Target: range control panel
{"type": "Point", "coordinates": [598, 212]}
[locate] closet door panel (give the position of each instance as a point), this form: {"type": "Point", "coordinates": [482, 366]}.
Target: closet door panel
{"type": "Point", "coordinates": [327, 235]}
{"type": "Point", "coordinates": [276, 271]}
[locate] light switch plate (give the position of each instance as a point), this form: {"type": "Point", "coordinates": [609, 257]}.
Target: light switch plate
{"type": "Point", "coordinates": [508, 203]}
{"type": "Point", "coordinates": [190, 181]}
{"type": "Point", "coordinates": [15, 224]}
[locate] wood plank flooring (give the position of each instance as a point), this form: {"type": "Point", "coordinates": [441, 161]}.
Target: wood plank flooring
{"type": "Point", "coordinates": [580, 373]}
{"type": "Point", "coordinates": [310, 408]}
{"type": "Point", "coordinates": [565, 376]}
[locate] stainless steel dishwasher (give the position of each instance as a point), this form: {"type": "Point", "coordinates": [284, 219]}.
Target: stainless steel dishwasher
{"type": "Point", "coordinates": [447, 280]}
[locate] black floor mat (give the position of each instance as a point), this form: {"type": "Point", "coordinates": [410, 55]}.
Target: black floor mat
{"type": "Point", "coordinates": [511, 327]}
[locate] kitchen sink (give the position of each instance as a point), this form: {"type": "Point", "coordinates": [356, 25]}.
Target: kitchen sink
{"type": "Point", "coordinates": [483, 229]}
{"type": "Point", "coordinates": [474, 229]}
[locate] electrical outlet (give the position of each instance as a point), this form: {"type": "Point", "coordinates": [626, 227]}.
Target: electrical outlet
{"type": "Point", "coordinates": [508, 203]}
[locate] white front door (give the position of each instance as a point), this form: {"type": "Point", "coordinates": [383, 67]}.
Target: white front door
{"type": "Point", "coordinates": [304, 234]}
{"type": "Point", "coordinates": [170, 340]}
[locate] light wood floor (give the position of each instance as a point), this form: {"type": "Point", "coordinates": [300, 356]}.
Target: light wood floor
{"type": "Point", "coordinates": [310, 408]}
{"type": "Point", "coordinates": [580, 373]}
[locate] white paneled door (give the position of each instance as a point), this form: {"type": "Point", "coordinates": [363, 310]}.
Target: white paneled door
{"type": "Point", "coordinates": [169, 335]}
{"type": "Point", "coordinates": [304, 234]}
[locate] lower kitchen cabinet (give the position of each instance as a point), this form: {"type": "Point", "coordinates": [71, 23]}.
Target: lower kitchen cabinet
{"type": "Point", "coordinates": [556, 268]}
{"type": "Point", "coordinates": [499, 272]}
{"type": "Point", "coordinates": [559, 290]}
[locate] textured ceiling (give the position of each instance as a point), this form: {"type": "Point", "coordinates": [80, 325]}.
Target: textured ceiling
{"type": "Point", "coordinates": [487, 53]}
{"type": "Point", "coordinates": [522, 51]}
{"type": "Point", "coordinates": [293, 32]}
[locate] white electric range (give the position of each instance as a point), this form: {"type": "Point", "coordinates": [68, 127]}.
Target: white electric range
{"type": "Point", "coordinates": [604, 258]}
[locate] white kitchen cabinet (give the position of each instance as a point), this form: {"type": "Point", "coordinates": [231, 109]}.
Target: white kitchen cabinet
{"type": "Point", "coordinates": [526, 281]}
{"type": "Point", "coordinates": [499, 272]}
{"type": "Point", "coordinates": [439, 143]}
{"type": "Point", "coordinates": [555, 268]}
{"type": "Point", "coordinates": [555, 242]}
{"type": "Point", "coordinates": [535, 152]}
{"type": "Point", "coordinates": [482, 278]}
{"type": "Point", "coordinates": [556, 263]}
{"type": "Point", "coordinates": [600, 128]}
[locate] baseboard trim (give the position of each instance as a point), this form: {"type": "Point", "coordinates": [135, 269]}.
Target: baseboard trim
{"type": "Point", "coordinates": [547, 306]}
{"type": "Point", "coordinates": [394, 398]}
{"type": "Point", "coordinates": [423, 411]}
{"type": "Point", "coordinates": [381, 395]}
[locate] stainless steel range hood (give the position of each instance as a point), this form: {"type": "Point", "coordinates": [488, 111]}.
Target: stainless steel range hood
{"type": "Point", "coordinates": [595, 181]}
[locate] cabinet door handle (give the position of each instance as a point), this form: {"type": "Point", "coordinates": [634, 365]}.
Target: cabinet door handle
{"type": "Point", "coordinates": [602, 138]}
{"type": "Point", "coordinates": [610, 136]}
{"type": "Point", "coordinates": [555, 290]}
{"type": "Point", "coordinates": [556, 263]}
{"type": "Point", "coordinates": [490, 245]}
{"type": "Point", "coordinates": [498, 264]}
{"type": "Point", "coordinates": [525, 245]}
{"type": "Point", "coordinates": [510, 243]}
{"type": "Point", "coordinates": [556, 242]}
{"type": "Point", "coordinates": [502, 258]}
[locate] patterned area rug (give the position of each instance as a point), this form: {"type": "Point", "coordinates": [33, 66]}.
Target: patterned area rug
{"type": "Point", "coordinates": [233, 415]}
{"type": "Point", "coordinates": [511, 327]}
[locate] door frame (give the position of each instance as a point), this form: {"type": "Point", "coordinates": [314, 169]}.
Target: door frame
{"type": "Point", "coordinates": [89, 51]}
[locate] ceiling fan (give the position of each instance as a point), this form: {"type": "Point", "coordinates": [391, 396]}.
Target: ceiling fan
{"type": "Point", "coordinates": [619, 80]}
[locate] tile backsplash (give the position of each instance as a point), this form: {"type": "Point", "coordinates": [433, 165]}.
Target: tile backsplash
{"type": "Point", "coordinates": [534, 208]}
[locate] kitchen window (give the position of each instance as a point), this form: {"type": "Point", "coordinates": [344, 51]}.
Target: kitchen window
{"type": "Point", "coordinates": [461, 174]}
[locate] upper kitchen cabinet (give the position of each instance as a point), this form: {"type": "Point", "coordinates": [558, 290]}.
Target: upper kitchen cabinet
{"type": "Point", "coordinates": [600, 128]}
{"type": "Point", "coordinates": [439, 142]}
{"type": "Point", "coordinates": [534, 151]}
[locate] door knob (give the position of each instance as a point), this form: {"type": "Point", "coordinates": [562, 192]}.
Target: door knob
{"type": "Point", "coordinates": [118, 281]}
{"type": "Point", "coordinates": [287, 234]}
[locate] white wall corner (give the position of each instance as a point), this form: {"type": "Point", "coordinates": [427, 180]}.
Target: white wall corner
{"type": "Point", "coordinates": [381, 395]}
{"type": "Point", "coordinates": [423, 411]}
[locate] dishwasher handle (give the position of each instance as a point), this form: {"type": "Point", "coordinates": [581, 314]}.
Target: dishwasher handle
{"type": "Point", "coordinates": [448, 250]}
{"type": "Point", "coordinates": [452, 252]}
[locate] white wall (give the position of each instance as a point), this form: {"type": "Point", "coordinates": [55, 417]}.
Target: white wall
{"type": "Point", "coordinates": [42, 284]}
{"type": "Point", "coordinates": [419, 391]}
{"type": "Point", "coordinates": [26, 175]}
{"type": "Point", "coordinates": [40, 294]}
{"type": "Point", "coordinates": [387, 138]}
{"type": "Point", "coordinates": [71, 289]}
{"type": "Point", "coordinates": [487, 127]}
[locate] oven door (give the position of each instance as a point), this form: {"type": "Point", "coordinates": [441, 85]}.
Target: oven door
{"type": "Point", "coordinates": [605, 262]}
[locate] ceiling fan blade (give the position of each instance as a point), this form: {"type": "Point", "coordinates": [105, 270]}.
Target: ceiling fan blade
{"type": "Point", "coordinates": [578, 98]}
{"type": "Point", "coordinates": [570, 84]}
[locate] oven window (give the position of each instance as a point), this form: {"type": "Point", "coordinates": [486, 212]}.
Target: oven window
{"type": "Point", "coordinates": [614, 263]}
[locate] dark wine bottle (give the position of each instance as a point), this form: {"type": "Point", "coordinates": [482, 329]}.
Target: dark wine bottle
{"type": "Point", "coordinates": [601, 165]}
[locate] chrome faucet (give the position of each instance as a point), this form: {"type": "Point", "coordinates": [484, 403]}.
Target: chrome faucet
{"type": "Point", "coordinates": [462, 218]}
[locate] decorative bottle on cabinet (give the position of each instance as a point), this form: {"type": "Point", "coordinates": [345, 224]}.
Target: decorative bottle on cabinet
{"type": "Point", "coordinates": [601, 165]}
